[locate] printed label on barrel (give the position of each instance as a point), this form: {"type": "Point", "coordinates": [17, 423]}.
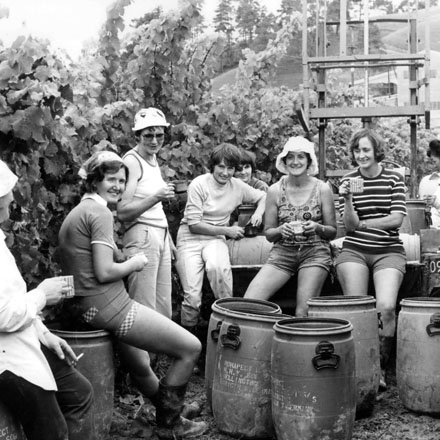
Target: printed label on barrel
{"type": "Point", "coordinates": [296, 401]}
{"type": "Point", "coordinates": [5, 434]}
{"type": "Point", "coordinates": [244, 378]}
{"type": "Point", "coordinates": [434, 266]}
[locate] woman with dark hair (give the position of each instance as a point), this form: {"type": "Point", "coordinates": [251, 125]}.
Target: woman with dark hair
{"type": "Point", "coordinates": [201, 239]}
{"type": "Point", "coordinates": [372, 205]}
{"type": "Point", "coordinates": [300, 221]}
{"type": "Point", "coordinates": [88, 253]}
{"type": "Point", "coordinates": [429, 188]}
{"type": "Point", "coordinates": [246, 169]}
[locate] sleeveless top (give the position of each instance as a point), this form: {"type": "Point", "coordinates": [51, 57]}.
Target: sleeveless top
{"type": "Point", "coordinates": [150, 180]}
{"type": "Point", "coordinates": [310, 210]}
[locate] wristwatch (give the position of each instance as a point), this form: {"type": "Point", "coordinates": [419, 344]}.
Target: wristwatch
{"type": "Point", "coordinates": [363, 225]}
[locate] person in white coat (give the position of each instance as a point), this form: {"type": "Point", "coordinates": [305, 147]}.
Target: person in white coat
{"type": "Point", "coordinates": [38, 382]}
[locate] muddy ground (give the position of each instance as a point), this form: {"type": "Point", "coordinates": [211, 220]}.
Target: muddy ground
{"type": "Point", "coordinates": [134, 418]}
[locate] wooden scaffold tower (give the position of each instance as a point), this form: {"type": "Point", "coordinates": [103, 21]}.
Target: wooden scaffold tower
{"type": "Point", "coordinates": [316, 68]}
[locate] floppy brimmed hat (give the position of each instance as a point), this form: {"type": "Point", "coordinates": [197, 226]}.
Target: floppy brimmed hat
{"type": "Point", "coordinates": [97, 159]}
{"type": "Point", "coordinates": [7, 179]}
{"type": "Point", "coordinates": [298, 144]}
{"type": "Point", "coordinates": [149, 117]}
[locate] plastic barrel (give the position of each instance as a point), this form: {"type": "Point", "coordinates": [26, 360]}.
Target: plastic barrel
{"type": "Point", "coordinates": [241, 388]}
{"type": "Point", "coordinates": [361, 312]}
{"type": "Point", "coordinates": [97, 366]}
{"type": "Point", "coordinates": [220, 306]}
{"type": "Point", "coordinates": [249, 250]}
{"type": "Point", "coordinates": [418, 354]}
{"type": "Point", "coordinates": [411, 243]}
{"type": "Point", "coordinates": [416, 214]}
{"type": "Point", "coordinates": [10, 428]}
{"type": "Point", "coordinates": [313, 379]}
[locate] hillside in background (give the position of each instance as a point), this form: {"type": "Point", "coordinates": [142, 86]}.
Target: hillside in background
{"type": "Point", "coordinates": [394, 36]}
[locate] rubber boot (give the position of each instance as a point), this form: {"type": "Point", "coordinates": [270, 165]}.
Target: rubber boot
{"type": "Point", "coordinates": [386, 345]}
{"type": "Point", "coordinates": [189, 411]}
{"type": "Point", "coordinates": [170, 424]}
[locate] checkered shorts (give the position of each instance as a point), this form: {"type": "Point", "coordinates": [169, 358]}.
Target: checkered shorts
{"type": "Point", "coordinates": [128, 321]}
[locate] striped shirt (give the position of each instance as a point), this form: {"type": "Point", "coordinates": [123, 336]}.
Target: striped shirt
{"type": "Point", "coordinates": [382, 195]}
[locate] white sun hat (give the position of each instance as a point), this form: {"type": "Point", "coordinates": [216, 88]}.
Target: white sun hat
{"type": "Point", "coordinates": [7, 179]}
{"type": "Point", "coordinates": [149, 117]}
{"type": "Point", "coordinates": [298, 144]}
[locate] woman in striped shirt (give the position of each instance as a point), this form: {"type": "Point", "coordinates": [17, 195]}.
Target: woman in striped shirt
{"type": "Point", "coordinates": [372, 217]}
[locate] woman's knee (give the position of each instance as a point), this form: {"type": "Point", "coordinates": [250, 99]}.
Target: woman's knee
{"type": "Point", "coordinates": [192, 347]}
{"type": "Point", "coordinates": [387, 311]}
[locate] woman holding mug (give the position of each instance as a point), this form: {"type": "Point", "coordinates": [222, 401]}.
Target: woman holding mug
{"type": "Point", "coordinates": [300, 219]}
{"type": "Point", "coordinates": [372, 215]}
{"type": "Point", "coordinates": [88, 253]}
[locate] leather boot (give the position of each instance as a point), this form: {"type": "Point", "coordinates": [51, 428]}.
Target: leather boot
{"type": "Point", "coordinates": [170, 424]}
{"type": "Point", "coordinates": [386, 345]}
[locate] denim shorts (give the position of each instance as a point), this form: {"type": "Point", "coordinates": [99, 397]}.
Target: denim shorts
{"type": "Point", "coordinates": [291, 259]}
{"type": "Point", "coordinates": [390, 260]}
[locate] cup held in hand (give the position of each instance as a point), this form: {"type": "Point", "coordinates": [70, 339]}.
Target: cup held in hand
{"type": "Point", "coordinates": [356, 185]}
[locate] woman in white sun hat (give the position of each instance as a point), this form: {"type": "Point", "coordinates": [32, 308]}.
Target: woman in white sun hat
{"type": "Point", "coordinates": [145, 224]}
{"type": "Point", "coordinates": [141, 211]}
{"type": "Point", "coordinates": [300, 219]}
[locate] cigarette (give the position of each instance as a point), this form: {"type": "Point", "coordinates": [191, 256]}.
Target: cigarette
{"type": "Point", "coordinates": [80, 356]}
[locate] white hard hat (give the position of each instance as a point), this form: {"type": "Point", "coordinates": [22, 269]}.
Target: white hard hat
{"type": "Point", "coordinates": [149, 117]}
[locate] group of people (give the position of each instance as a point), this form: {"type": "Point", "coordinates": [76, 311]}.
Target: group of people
{"type": "Point", "coordinates": [131, 297]}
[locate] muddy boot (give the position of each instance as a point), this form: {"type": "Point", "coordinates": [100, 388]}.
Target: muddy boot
{"type": "Point", "coordinates": [386, 344]}
{"type": "Point", "coordinates": [170, 424]}
{"type": "Point", "coordinates": [189, 411]}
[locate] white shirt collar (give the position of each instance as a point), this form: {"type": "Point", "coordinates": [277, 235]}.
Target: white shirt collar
{"type": "Point", "coordinates": [94, 196]}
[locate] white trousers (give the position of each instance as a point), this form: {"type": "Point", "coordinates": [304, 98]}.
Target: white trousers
{"type": "Point", "coordinates": [195, 253]}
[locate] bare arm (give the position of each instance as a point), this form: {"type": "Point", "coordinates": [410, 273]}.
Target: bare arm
{"type": "Point", "coordinates": [272, 230]}
{"type": "Point", "coordinates": [327, 229]}
{"type": "Point", "coordinates": [391, 221]}
{"type": "Point", "coordinates": [257, 216]}
{"type": "Point", "coordinates": [351, 219]}
{"type": "Point", "coordinates": [107, 270]}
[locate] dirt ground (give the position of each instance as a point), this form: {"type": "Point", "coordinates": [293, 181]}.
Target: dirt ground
{"type": "Point", "coordinates": [134, 418]}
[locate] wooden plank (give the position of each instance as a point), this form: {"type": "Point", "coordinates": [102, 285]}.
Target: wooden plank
{"type": "Point", "coordinates": [342, 173]}
{"type": "Point", "coordinates": [363, 58]}
{"type": "Point", "coordinates": [366, 112]}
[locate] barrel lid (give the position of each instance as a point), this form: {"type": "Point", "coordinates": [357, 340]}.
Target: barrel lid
{"type": "Point", "coordinates": [253, 315]}
{"type": "Point", "coordinates": [245, 305]}
{"type": "Point", "coordinates": [338, 300]}
{"type": "Point", "coordinates": [420, 301]}
{"type": "Point", "coordinates": [89, 334]}
{"type": "Point", "coordinates": [313, 326]}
